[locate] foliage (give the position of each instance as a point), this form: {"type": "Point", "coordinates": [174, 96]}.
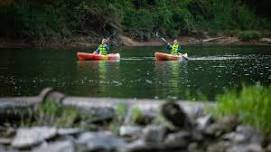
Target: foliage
{"type": "Point", "coordinates": [49, 19]}
{"type": "Point", "coordinates": [136, 115]}
{"type": "Point", "coordinates": [120, 113]}
{"type": "Point", "coordinates": [249, 35]}
{"type": "Point", "coordinates": [51, 113]}
{"type": "Point", "coordinates": [252, 105]}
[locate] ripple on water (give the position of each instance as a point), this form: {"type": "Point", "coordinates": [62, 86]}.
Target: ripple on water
{"type": "Point", "coordinates": [210, 58]}
{"type": "Point", "coordinates": [218, 66]}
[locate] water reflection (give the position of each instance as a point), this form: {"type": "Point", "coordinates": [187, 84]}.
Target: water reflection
{"type": "Point", "coordinates": [95, 76]}
{"type": "Point", "coordinates": [172, 76]}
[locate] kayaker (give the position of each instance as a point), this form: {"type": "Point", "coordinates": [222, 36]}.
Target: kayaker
{"type": "Point", "coordinates": [103, 48]}
{"type": "Point", "coordinates": [175, 48]}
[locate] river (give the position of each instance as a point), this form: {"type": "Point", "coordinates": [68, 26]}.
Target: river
{"type": "Point", "coordinates": [210, 71]}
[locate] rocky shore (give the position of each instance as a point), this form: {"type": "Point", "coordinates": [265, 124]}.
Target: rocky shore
{"type": "Point", "coordinates": [87, 42]}
{"type": "Point", "coordinates": [125, 125]}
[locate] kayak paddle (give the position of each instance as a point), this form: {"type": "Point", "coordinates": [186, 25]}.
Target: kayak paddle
{"type": "Point", "coordinates": [163, 39]}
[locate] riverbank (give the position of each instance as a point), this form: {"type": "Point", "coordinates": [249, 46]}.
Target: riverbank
{"type": "Point", "coordinates": [106, 124]}
{"type": "Point", "coordinates": [87, 42]}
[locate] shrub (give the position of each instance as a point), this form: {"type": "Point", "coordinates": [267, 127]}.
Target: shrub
{"type": "Point", "coordinates": [252, 105]}
{"type": "Point", "coordinates": [249, 35]}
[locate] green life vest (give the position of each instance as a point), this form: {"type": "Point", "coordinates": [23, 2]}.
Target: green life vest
{"type": "Point", "coordinates": [103, 49]}
{"type": "Point", "coordinates": [174, 49]}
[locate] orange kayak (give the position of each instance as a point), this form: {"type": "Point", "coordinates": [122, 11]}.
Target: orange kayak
{"type": "Point", "coordinates": [95, 56]}
{"type": "Point", "coordinates": [160, 56]}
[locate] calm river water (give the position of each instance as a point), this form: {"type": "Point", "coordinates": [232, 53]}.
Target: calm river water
{"type": "Point", "coordinates": [209, 72]}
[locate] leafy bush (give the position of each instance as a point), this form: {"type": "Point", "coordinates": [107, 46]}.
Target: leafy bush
{"type": "Point", "coordinates": [252, 105]}
{"type": "Point", "coordinates": [45, 19]}
{"type": "Point", "coordinates": [249, 35]}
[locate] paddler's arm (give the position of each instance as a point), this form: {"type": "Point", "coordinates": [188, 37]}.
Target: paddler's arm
{"type": "Point", "coordinates": [180, 49]}
{"type": "Point", "coordinates": [96, 51]}
{"type": "Point", "coordinates": [107, 47]}
{"type": "Point", "coordinates": [168, 46]}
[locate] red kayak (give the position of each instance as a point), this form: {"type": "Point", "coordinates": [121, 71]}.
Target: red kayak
{"type": "Point", "coordinates": [167, 57]}
{"type": "Point", "coordinates": [95, 56]}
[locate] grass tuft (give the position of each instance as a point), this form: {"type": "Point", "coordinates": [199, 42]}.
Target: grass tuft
{"type": "Point", "coordinates": [249, 35]}
{"type": "Point", "coordinates": [252, 105]}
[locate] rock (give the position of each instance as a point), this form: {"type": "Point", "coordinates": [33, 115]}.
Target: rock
{"type": "Point", "coordinates": [2, 148]}
{"type": "Point", "coordinates": [268, 148]}
{"type": "Point", "coordinates": [179, 140]}
{"type": "Point", "coordinates": [59, 146]}
{"type": "Point", "coordinates": [215, 130]}
{"type": "Point", "coordinates": [100, 141]}
{"type": "Point", "coordinates": [5, 141]}
{"type": "Point", "coordinates": [99, 114]}
{"type": "Point", "coordinates": [236, 138]}
{"type": "Point", "coordinates": [230, 121]}
{"type": "Point", "coordinates": [154, 134]}
{"type": "Point", "coordinates": [194, 147]}
{"type": "Point", "coordinates": [6, 149]}
{"type": "Point", "coordinates": [251, 134]}
{"type": "Point", "coordinates": [218, 147]}
{"type": "Point", "coordinates": [197, 136]}
{"type": "Point", "coordinates": [141, 146]}
{"type": "Point", "coordinates": [130, 131]}
{"type": "Point", "coordinates": [68, 131]}
{"type": "Point", "coordinates": [265, 40]}
{"type": "Point", "coordinates": [144, 118]}
{"type": "Point", "coordinates": [27, 137]}
{"type": "Point", "coordinates": [203, 122]}
{"type": "Point", "coordinates": [246, 148]}
{"type": "Point", "coordinates": [224, 125]}
{"type": "Point", "coordinates": [174, 114]}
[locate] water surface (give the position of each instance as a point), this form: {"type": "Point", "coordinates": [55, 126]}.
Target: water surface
{"type": "Point", "coordinates": [210, 71]}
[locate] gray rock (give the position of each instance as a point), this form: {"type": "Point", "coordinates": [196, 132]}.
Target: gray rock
{"type": "Point", "coordinates": [194, 147]}
{"type": "Point", "coordinates": [27, 137]}
{"type": "Point", "coordinates": [235, 138]}
{"type": "Point", "coordinates": [59, 146]}
{"type": "Point", "coordinates": [224, 125]}
{"type": "Point", "coordinates": [103, 141]}
{"type": "Point", "coordinates": [180, 139]}
{"type": "Point", "coordinates": [99, 114]}
{"type": "Point", "coordinates": [251, 134]}
{"type": "Point", "coordinates": [265, 40]}
{"type": "Point", "coordinates": [138, 145]}
{"type": "Point", "coordinates": [268, 148]}
{"type": "Point", "coordinates": [141, 146]}
{"type": "Point", "coordinates": [197, 136]}
{"type": "Point", "coordinates": [130, 131]}
{"type": "Point", "coordinates": [5, 141]}
{"type": "Point", "coordinates": [246, 148]}
{"type": "Point", "coordinates": [154, 134]}
{"type": "Point", "coordinates": [2, 148]}
{"type": "Point", "coordinates": [203, 122]}
{"type": "Point", "coordinates": [215, 129]}
{"type": "Point", "coordinates": [230, 121]}
{"type": "Point", "coordinates": [6, 149]}
{"type": "Point", "coordinates": [218, 147]}
{"type": "Point", "coordinates": [68, 131]}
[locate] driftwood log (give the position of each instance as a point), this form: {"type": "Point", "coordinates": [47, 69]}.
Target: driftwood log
{"type": "Point", "coordinates": [12, 107]}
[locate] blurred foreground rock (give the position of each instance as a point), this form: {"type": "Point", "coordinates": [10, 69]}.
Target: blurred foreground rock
{"type": "Point", "coordinates": [167, 126]}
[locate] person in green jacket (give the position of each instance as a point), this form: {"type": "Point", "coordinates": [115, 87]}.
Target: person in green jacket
{"type": "Point", "coordinates": [175, 48]}
{"type": "Point", "coordinates": [103, 48]}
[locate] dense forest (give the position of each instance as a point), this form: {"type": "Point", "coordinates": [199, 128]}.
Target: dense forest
{"type": "Point", "coordinates": [62, 19]}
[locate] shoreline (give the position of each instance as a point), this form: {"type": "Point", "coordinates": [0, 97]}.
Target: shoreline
{"type": "Point", "coordinates": [84, 43]}
{"type": "Point", "coordinates": [110, 124]}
